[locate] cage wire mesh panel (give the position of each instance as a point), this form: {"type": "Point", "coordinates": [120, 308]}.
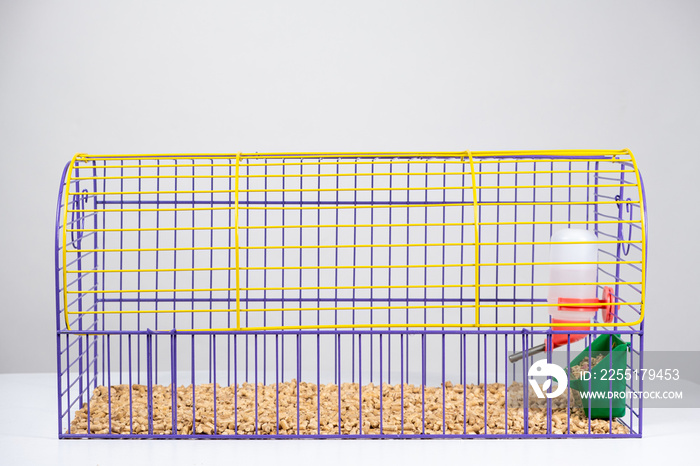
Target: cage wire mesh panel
{"type": "Point", "coordinates": [334, 295]}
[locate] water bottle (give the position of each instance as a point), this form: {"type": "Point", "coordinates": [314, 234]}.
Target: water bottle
{"type": "Point", "coordinates": [569, 246]}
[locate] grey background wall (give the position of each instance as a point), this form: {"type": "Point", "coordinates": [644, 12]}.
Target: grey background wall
{"type": "Point", "coordinates": [223, 76]}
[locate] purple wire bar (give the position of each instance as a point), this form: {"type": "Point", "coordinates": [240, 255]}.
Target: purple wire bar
{"type": "Point", "coordinates": [400, 272]}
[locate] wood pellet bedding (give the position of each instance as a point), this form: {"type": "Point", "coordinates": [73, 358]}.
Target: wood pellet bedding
{"type": "Point", "coordinates": [235, 410]}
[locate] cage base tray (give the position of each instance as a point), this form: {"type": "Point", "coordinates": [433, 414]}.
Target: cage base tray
{"type": "Point", "coordinates": [277, 415]}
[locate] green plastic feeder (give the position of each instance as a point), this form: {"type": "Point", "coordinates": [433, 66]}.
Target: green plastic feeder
{"type": "Point", "coordinates": [605, 385]}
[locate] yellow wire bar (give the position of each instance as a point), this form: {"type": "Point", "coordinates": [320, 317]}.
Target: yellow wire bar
{"type": "Point", "coordinates": [334, 207]}
{"type": "Point", "coordinates": [476, 240]}
{"type": "Point", "coordinates": [347, 308]}
{"type": "Point", "coordinates": [642, 217]}
{"type": "Point", "coordinates": [318, 162]}
{"type": "Point", "coordinates": [476, 154]}
{"type": "Point", "coordinates": [252, 227]}
{"type": "Point", "coordinates": [238, 268]}
{"type": "Point", "coordinates": [293, 267]}
{"type": "Point", "coordinates": [231, 191]}
{"type": "Point", "coordinates": [314, 246]}
{"type": "Point", "coordinates": [332, 288]}
{"type": "Point", "coordinates": [306, 175]}
{"type": "Point", "coordinates": [474, 159]}
{"type": "Point", "coordinates": [358, 189]}
{"type": "Point", "coordinates": [379, 206]}
{"type": "Point", "coordinates": [334, 246]}
{"type": "Point", "coordinates": [69, 174]}
{"type": "Point", "coordinates": [287, 309]}
{"type": "Point", "coordinates": [338, 267]}
{"type": "Point", "coordinates": [566, 222]}
{"type": "Point", "coordinates": [294, 207]}
{"type": "Point", "coordinates": [325, 162]}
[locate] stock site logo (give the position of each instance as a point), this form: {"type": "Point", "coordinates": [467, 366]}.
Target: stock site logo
{"type": "Point", "coordinates": [543, 369]}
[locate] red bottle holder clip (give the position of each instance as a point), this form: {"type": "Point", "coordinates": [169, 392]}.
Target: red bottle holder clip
{"type": "Point", "coordinates": [608, 304]}
{"type": "Point", "coordinates": [609, 311]}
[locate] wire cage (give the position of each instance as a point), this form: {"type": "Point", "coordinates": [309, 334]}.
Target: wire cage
{"type": "Point", "coordinates": [344, 295]}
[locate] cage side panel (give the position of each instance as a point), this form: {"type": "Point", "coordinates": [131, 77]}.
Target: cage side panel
{"type": "Point", "coordinates": [77, 353]}
{"type": "Point", "coordinates": [385, 243]}
{"type": "Point", "coordinates": [619, 222]}
{"type": "Point", "coordinates": [379, 244]}
{"type": "Point", "coordinates": [60, 383]}
{"type": "Point", "coordinates": [328, 394]}
{"type": "Point", "coordinates": [524, 202]}
{"type": "Point", "coordinates": [373, 241]}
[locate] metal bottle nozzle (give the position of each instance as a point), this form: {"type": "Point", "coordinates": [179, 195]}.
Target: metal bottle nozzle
{"type": "Point", "coordinates": [515, 357]}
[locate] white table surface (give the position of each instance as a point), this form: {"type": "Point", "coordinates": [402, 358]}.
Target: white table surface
{"type": "Point", "coordinates": [28, 435]}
